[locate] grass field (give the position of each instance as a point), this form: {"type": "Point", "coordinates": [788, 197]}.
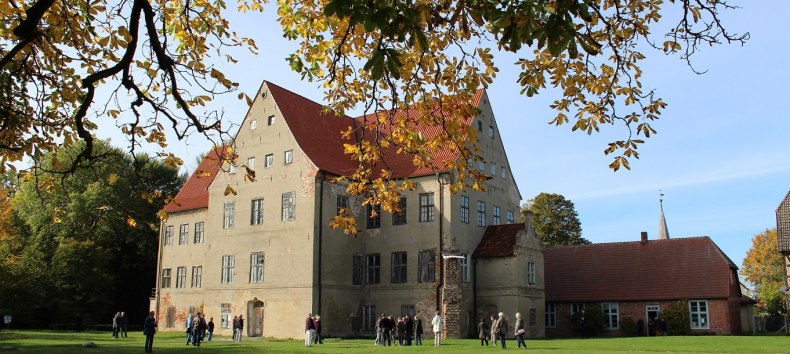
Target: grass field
{"type": "Point", "coordinates": [67, 342]}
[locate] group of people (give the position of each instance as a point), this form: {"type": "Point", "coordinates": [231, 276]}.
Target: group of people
{"type": "Point", "coordinates": [402, 331]}
{"type": "Point", "coordinates": [198, 328]}
{"type": "Point", "coordinates": [312, 330]}
{"type": "Point", "coordinates": [497, 330]}
{"type": "Point", "coordinates": [238, 327]}
{"type": "Point", "coordinates": [119, 324]}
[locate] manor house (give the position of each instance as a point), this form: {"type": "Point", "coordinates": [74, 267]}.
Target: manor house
{"type": "Point", "coordinates": [267, 251]}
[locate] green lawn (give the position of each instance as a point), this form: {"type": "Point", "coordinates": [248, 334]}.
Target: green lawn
{"type": "Point", "coordinates": [67, 342]}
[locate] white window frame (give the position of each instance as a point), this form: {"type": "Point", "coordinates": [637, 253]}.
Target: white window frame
{"type": "Point", "coordinates": [270, 120]}
{"type": "Point", "coordinates": [232, 169]}
{"type": "Point", "coordinates": [288, 156]}
{"type": "Point", "coordinates": [166, 278]}
{"type": "Point", "coordinates": [531, 273]}
{"type": "Point", "coordinates": [463, 264]}
{"type": "Point", "coordinates": [251, 163]}
{"type": "Point", "coordinates": [257, 260]}
{"type": "Point", "coordinates": [197, 276]}
{"type": "Point", "coordinates": [288, 211]}
{"type": "Point", "coordinates": [181, 277]}
{"type": "Point", "coordinates": [551, 315]}
{"type": "Point", "coordinates": [256, 211]}
{"type": "Point", "coordinates": [611, 313]}
{"type": "Point", "coordinates": [228, 214]}
{"type": "Point", "coordinates": [169, 235]}
{"type": "Point", "coordinates": [228, 268]}
{"type": "Point", "coordinates": [224, 316]}
{"type": "Point", "coordinates": [200, 232]}
{"type": "Point", "coordinates": [253, 124]}
{"type": "Point", "coordinates": [699, 318]}
{"type": "Point", "coordinates": [268, 161]}
{"type": "Point", "coordinates": [183, 234]}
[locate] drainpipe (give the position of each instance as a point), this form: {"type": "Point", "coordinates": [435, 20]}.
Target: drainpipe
{"type": "Point", "coordinates": [159, 268]}
{"type": "Point", "coordinates": [320, 235]}
{"type": "Point", "coordinates": [474, 290]}
{"type": "Point", "coordinates": [440, 284]}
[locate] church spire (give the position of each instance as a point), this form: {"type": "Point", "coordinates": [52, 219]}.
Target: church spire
{"type": "Point", "coordinates": [663, 234]}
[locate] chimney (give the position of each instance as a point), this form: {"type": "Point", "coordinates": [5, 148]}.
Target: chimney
{"type": "Point", "coordinates": [644, 237]}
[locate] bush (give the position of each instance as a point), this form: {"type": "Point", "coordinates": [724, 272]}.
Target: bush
{"type": "Point", "coordinates": [677, 317]}
{"type": "Point", "coordinates": [594, 320]}
{"type": "Point", "coordinates": [628, 326]}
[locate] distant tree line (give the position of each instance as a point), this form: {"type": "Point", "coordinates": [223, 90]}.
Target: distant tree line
{"type": "Point", "coordinates": [76, 248]}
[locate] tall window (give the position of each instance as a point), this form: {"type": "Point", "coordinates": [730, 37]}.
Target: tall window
{"type": "Point", "coordinates": [373, 221]}
{"type": "Point", "coordinates": [228, 268]}
{"type": "Point", "coordinates": [373, 267]}
{"type": "Point", "coordinates": [464, 209]}
{"type": "Point", "coordinates": [576, 307]}
{"type": "Point", "coordinates": [270, 120]}
{"type": "Point", "coordinates": [227, 215]}
{"type": "Point", "coordinates": [199, 232]}
{"type": "Point", "coordinates": [481, 213]}
{"type": "Point", "coordinates": [479, 125]}
{"type": "Point", "coordinates": [698, 312]}
{"type": "Point", "coordinates": [224, 316]}
{"type": "Point", "coordinates": [342, 203]}
{"type": "Point", "coordinates": [256, 212]}
{"type": "Point", "coordinates": [497, 219]}
{"type": "Point", "coordinates": [253, 124]}
{"type": "Point", "coordinates": [531, 273]}
{"type": "Point", "coordinates": [427, 266]}
{"type": "Point", "coordinates": [503, 172]}
{"type": "Point", "coordinates": [491, 131]}
{"type": "Point", "coordinates": [481, 166]}
{"type": "Point", "coordinates": [256, 267]}
{"type": "Point", "coordinates": [289, 206]}
{"type": "Point", "coordinates": [509, 217]}
{"type": "Point", "coordinates": [288, 156]}
{"type": "Point", "coordinates": [466, 274]}
{"type": "Point", "coordinates": [408, 310]}
{"type": "Point", "coordinates": [492, 169]}
{"type": "Point", "coordinates": [165, 278]}
{"type": "Point", "coordinates": [368, 317]}
{"type": "Point", "coordinates": [181, 277]}
{"type": "Point", "coordinates": [551, 315]}
{"type": "Point", "coordinates": [269, 161]}
{"type": "Point", "coordinates": [398, 267]}
{"type": "Point", "coordinates": [356, 269]}
{"type": "Point", "coordinates": [197, 276]}
{"type": "Point", "coordinates": [183, 234]}
{"type": "Point", "coordinates": [169, 235]}
{"type": "Point", "coordinates": [426, 207]}
{"type": "Point", "coordinates": [399, 218]}
{"type": "Point", "coordinates": [251, 163]}
{"type": "Point", "coordinates": [611, 314]}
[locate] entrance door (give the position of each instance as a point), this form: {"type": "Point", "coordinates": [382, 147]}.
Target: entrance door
{"type": "Point", "coordinates": [255, 318]}
{"type": "Point", "coordinates": [652, 319]}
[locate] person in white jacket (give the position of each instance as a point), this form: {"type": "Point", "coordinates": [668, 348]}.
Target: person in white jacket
{"type": "Point", "coordinates": [437, 329]}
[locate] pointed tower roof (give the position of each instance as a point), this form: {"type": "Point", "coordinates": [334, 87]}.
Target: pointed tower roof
{"type": "Point", "coordinates": [663, 233]}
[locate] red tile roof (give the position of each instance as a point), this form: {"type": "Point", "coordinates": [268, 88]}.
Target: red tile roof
{"type": "Point", "coordinates": [498, 241]}
{"type": "Point", "coordinates": [681, 268]}
{"type": "Point", "coordinates": [318, 135]}
{"type": "Point", "coordinates": [194, 193]}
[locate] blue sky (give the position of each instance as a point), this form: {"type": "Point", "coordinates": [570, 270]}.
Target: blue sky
{"type": "Point", "coordinates": [721, 155]}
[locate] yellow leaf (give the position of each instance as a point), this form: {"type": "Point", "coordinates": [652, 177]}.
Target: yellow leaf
{"type": "Point", "coordinates": [112, 178]}
{"type": "Point", "coordinates": [131, 221]}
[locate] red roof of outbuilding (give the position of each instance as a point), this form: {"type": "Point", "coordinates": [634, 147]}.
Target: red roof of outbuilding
{"type": "Point", "coordinates": [498, 241]}
{"type": "Point", "coordinates": [194, 193]}
{"type": "Point", "coordinates": [681, 268]}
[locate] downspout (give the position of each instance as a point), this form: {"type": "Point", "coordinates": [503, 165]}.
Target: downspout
{"type": "Point", "coordinates": [159, 268]}
{"type": "Point", "coordinates": [320, 236]}
{"type": "Point", "coordinates": [474, 289]}
{"type": "Point", "coordinates": [440, 284]}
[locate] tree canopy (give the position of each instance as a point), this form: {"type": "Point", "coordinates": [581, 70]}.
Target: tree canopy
{"type": "Point", "coordinates": [76, 248]}
{"type": "Point", "coordinates": [155, 65]}
{"type": "Point", "coordinates": [762, 267]}
{"type": "Point", "coordinates": [555, 220]}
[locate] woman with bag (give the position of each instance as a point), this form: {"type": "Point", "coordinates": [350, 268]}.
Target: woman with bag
{"type": "Point", "coordinates": [520, 331]}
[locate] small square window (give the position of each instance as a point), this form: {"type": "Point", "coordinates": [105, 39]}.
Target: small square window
{"type": "Point", "coordinates": [269, 161]}
{"type": "Point", "coordinates": [232, 168]}
{"type": "Point", "coordinates": [270, 120]}
{"type": "Point", "coordinates": [251, 163]}
{"type": "Point", "coordinates": [503, 173]}
{"type": "Point", "coordinates": [289, 156]}
{"type": "Point", "coordinates": [491, 131]}
{"type": "Point", "coordinates": [253, 124]}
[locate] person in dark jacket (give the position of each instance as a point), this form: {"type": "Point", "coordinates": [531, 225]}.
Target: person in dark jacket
{"type": "Point", "coordinates": [149, 329]}
{"type": "Point", "coordinates": [123, 324]}
{"type": "Point", "coordinates": [418, 330]}
{"type": "Point", "coordinates": [317, 338]}
{"type": "Point", "coordinates": [483, 331]}
{"type": "Point", "coordinates": [210, 326]}
{"type": "Point", "coordinates": [409, 329]}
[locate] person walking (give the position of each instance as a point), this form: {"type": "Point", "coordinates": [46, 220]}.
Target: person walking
{"type": "Point", "coordinates": [409, 329]}
{"type": "Point", "coordinates": [116, 324]}
{"type": "Point", "coordinates": [210, 326]}
{"type": "Point", "coordinates": [149, 329]}
{"type": "Point", "coordinates": [520, 331]}
{"type": "Point", "coordinates": [240, 327]}
{"type": "Point", "coordinates": [483, 331]}
{"type": "Point", "coordinates": [501, 329]}
{"type": "Point", "coordinates": [493, 330]}
{"type": "Point", "coordinates": [189, 329]}
{"type": "Point", "coordinates": [380, 329]}
{"type": "Point", "coordinates": [418, 330]}
{"type": "Point", "coordinates": [436, 322]}
{"type": "Point", "coordinates": [123, 324]}
{"type": "Point", "coordinates": [309, 330]}
{"type": "Point", "coordinates": [317, 321]}
{"type": "Point", "coordinates": [233, 326]}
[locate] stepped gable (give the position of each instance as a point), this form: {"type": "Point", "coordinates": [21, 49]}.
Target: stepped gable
{"type": "Point", "coordinates": [680, 268]}
{"type": "Point", "coordinates": [194, 193]}
{"type": "Point", "coordinates": [498, 241]}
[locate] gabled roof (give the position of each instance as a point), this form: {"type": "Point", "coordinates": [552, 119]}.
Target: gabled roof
{"type": "Point", "coordinates": [783, 224]}
{"type": "Point", "coordinates": [681, 268]}
{"type": "Point", "coordinates": [194, 193]}
{"type": "Point", "coordinates": [498, 241]}
{"type": "Point", "coordinates": [318, 135]}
